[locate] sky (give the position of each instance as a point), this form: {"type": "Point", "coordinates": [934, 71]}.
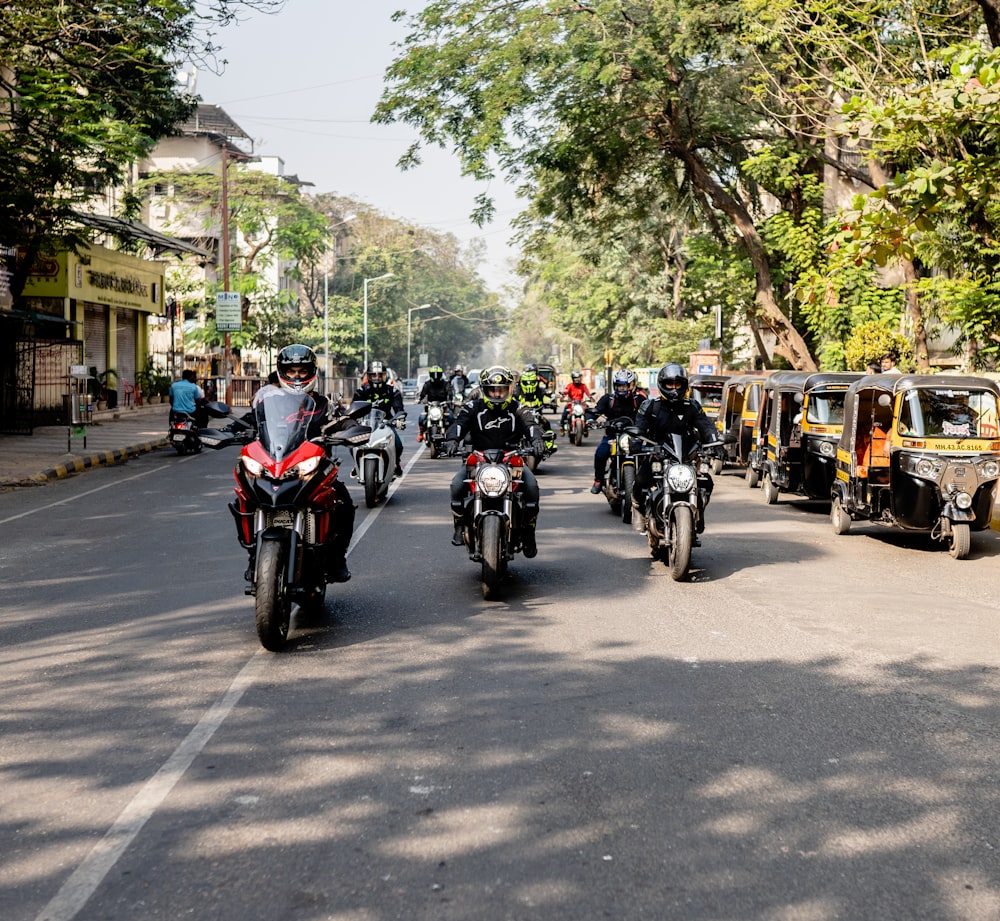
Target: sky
{"type": "Point", "coordinates": [303, 83]}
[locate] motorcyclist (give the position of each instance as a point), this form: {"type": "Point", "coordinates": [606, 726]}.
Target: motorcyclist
{"type": "Point", "coordinates": [624, 399]}
{"type": "Point", "coordinates": [576, 391]}
{"type": "Point", "coordinates": [530, 393]}
{"type": "Point", "coordinates": [435, 390]}
{"type": "Point", "coordinates": [496, 420]}
{"type": "Point", "coordinates": [459, 383]}
{"type": "Point", "coordinates": [297, 373]}
{"type": "Point", "coordinates": [187, 397]}
{"type": "Point", "coordinates": [672, 413]}
{"type": "Point", "coordinates": [382, 395]}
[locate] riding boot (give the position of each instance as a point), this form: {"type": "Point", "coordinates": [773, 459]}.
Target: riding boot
{"type": "Point", "coordinates": [336, 552]}
{"type": "Point", "coordinates": [457, 537]}
{"type": "Point", "coordinates": [528, 546]}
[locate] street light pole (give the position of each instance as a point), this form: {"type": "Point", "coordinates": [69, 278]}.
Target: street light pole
{"type": "Point", "coordinates": [376, 278]}
{"type": "Point", "coordinates": [409, 317]}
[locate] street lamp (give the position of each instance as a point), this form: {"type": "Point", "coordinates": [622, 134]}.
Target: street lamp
{"type": "Point", "coordinates": [409, 317]}
{"type": "Point", "coordinates": [326, 309]}
{"type": "Point", "coordinates": [376, 278]}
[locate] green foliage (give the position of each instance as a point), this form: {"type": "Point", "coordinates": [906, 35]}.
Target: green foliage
{"type": "Point", "coordinates": [86, 90]}
{"type": "Point", "coordinates": [871, 340]}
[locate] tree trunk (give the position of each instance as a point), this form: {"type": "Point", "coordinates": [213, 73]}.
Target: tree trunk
{"type": "Point", "coordinates": [769, 315]}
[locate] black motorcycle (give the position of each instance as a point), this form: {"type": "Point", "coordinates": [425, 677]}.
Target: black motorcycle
{"type": "Point", "coordinates": [674, 505]}
{"type": "Point", "coordinates": [619, 476]}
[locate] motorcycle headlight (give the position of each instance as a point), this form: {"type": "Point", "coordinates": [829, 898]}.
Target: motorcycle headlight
{"type": "Point", "coordinates": [305, 468]}
{"type": "Point", "coordinates": [657, 466]}
{"type": "Point", "coordinates": [577, 409]}
{"type": "Point", "coordinates": [963, 500]}
{"type": "Point", "coordinates": [680, 478]}
{"type": "Point", "coordinates": [492, 480]}
{"type": "Point", "coordinates": [252, 467]}
{"type": "Point", "coordinates": [623, 444]}
{"type": "Point", "coordinates": [434, 414]}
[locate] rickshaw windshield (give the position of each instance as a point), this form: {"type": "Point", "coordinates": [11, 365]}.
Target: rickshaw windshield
{"type": "Point", "coordinates": [826, 407]}
{"type": "Point", "coordinates": [948, 413]}
{"type": "Point", "coordinates": [751, 399]}
{"type": "Point", "coordinates": [283, 422]}
{"type": "Point", "coordinates": [710, 397]}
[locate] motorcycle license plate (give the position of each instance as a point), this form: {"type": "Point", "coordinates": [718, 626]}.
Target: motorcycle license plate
{"type": "Point", "coordinates": [178, 437]}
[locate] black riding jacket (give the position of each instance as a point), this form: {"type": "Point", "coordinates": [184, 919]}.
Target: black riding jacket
{"type": "Point", "coordinates": [434, 392]}
{"type": "Point", "coordinates": [658, 418]}
{"type": "Point", "coordinates": [616, 405]}
{"type": "Point", "coordinates": [388, 399]}
{"type": "Point", "coordinates": [493, 428]}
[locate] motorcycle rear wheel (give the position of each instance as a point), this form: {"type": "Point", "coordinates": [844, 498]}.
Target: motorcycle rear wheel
{"type": "Point", "coordinates": [494, 558]}
{"type": "Point", "coordinates": [627, 485]}
{"type": "Point", "coordinates": [273, 605]}
{"type": "Point", "coordinates": [681, 535]}
{"type": "Point", "coordinates": [371, 481]}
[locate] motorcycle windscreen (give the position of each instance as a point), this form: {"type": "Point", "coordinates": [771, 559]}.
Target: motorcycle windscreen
{"type": "Point", "coordinates": [283, 421]}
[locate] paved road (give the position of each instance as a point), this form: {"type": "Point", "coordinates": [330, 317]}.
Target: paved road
{"type": "Point", "coordinates": [805, 732]}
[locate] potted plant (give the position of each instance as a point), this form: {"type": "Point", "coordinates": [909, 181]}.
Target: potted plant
{"type": "Point", "coordinates": [161, 387]}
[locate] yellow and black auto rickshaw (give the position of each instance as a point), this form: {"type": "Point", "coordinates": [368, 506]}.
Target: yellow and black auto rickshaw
{"type": "Point", "coordinates": [804, 415]}
{"type": "Point", "coordinates": [739, 402]}
{"type": "Point", "coordinates": [919, 452]}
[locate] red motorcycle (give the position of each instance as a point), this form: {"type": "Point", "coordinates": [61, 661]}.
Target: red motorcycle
{"type": "Point", "coordinates": [285, 499]}
{"type": "Point", "coordinates": [494, 512]}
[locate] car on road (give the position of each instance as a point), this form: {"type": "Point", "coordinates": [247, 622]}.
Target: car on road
{"type": "Point", "coordinates": [409, 387]}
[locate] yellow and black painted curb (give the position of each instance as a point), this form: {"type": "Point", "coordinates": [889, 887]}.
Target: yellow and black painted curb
{"type": "Point", "coordinates": [100, 458]}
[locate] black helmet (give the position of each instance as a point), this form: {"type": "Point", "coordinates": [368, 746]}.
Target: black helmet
{"type": "Point", "coordinates": [436, 373]}
{"type": "Point", "coordinates": [531, 366]}
{"type": "Point", "coordinates": [497, 384]}
{"type": "Point", "coordinates": [672, 382]}
{"type": "Point", "coordinates": [376, 373]}
{"type": "Point", "coordinates": [297, 368]}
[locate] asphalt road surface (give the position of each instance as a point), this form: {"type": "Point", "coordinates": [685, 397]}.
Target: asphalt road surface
{"type": "Point", "coordinates": [805, 731]}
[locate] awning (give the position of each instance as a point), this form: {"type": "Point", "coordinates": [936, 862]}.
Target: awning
{"type": "Point", "coordinates": [135, 230]}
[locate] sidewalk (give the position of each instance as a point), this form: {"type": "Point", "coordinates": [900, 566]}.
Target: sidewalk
{"type": "Point", "coordinates": [50, 452]}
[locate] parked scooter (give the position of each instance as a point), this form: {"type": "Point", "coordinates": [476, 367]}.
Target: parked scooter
{"type": "Point", "coordinates": [184, 432]}
{"type": "Point", "coordinates": [375, 460]}
{"type": "Point", "coordinates": [494, 512]}
{"type": "Point", "coordinates": [675, 503]}
{"type": "Point", "coordinates": [284, 502]}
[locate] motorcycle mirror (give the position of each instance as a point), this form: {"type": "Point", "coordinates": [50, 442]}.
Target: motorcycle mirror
{"type": "Point", "coordinates": [359, 408]}
{"type": "Point", "coordinates": [216, 438]}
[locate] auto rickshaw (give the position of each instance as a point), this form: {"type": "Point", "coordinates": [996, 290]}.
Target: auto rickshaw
{"type": "Point", "coordinates": [804, 424]}
{"type": "Point", "coordinates": [738, 407]}
{"type": "Point", "coordinates": [921, 453]}
{"type": "Point", "coordinates": [707, 390]}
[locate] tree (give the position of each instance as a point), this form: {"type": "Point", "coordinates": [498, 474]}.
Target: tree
{"type": "Point", "coordinates": [85, 90]}
{"type": "Point", "coordinates": [608, 102]}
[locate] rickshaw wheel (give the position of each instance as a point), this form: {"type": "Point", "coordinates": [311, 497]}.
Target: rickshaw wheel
{"type": "Point", "coordinates": [752, 478]}
{"type": "Point", "coordinates": [768, 488]}
{"type": "Point", "coordinates": [961, 541]}
{"type": "Point", "coordinates": [839, 518]}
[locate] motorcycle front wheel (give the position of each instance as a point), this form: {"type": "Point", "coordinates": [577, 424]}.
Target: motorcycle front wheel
{"type": "Point", "coordinates": [627, 485]}
{"type": "Point", "coordinates": [273, 605]}
{"type": "Point", "coordinates": [371, 481]}
{"type": "Point", "coordinates": [577, 433]}
{"type": "Point", "coordinates": [494, 559]}
{"type": "Point", "coordinates": [680, 536]}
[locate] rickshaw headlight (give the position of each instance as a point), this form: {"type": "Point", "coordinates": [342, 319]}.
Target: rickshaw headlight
{"type": "Point", "coordinates": [963, 500]}
{"type": "Point", "coordinates": [827, 448]}
{"type": "Point", "coordinates": [925, 467]}
{"type": "Point", "coordinates": [680, 478]}
{"type": "Point", "coordinates": [989, 470]}
{"type": "Point", "coordinates": [492, 480]}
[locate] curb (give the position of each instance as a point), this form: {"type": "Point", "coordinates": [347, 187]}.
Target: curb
{"type": "Point", "coordinates": [89, 461]}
